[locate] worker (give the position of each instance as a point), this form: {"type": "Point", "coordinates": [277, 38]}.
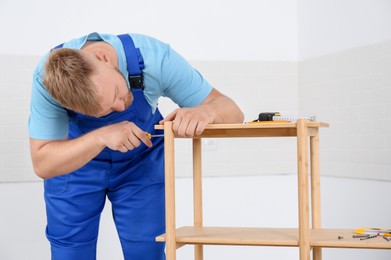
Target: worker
{"type": "Point", "coordinates": [90, 118]}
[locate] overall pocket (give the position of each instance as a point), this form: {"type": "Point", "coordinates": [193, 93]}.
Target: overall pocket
{"type": "Point", "coordinates": [57, 185]}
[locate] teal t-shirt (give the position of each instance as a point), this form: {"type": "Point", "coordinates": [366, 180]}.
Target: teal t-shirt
{"type": "Point", "coordinates": [166, 74]}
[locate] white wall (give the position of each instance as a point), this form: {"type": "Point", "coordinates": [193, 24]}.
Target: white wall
{"type": "Point", "coordinates": [201, 30]}
{"type": "Point", "coordinates": [344, 78]}
{"type": "Point", "coordinates": [326, 27]}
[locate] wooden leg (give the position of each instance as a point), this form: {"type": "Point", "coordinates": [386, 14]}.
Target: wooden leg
{"type": "Point", "coordinates": [169, 167]}
{"type": "Point", "coordinates": [315, 188]}
{"type": "Point", "coordinates": [302, 155]}
{"type": "Point", "coordinates": [197, 189]}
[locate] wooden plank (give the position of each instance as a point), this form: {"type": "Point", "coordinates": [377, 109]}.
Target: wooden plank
{"type": "Point", "coordinates": [197, 190]}
{"type": "Point", "coordinates": [315, 188]}
{"type": "Point", "coordinates": [263, 125]}
{"type": "Point", "coordinates": [237, 236]}
{"type": "Point", "coordinates": [252, 130]}
{"type": "Point", "coordinates": [302, 162]}
{"type": "Point", "coordinates": [327, 238]}
{"type": "Point", "coordinates": [248, 132]}
{"type": "Point", "coordinates": [169, 167]}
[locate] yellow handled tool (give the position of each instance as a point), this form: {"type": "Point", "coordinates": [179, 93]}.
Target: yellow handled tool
{"type": "Point", "coordinates": [151, 136]}
{"type": "Point", "coordinates": [374, 231]}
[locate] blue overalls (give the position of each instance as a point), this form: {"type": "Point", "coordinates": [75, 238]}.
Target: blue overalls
{"type": "Point", "coordinates": [132, 181]}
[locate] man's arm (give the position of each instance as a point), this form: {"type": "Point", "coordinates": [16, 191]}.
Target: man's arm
{"type": "Point", "coordinates": [215, 109]}
{"type": "Point", "coordinates": [56, 157]}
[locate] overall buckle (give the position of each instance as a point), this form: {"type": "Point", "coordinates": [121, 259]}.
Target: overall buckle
{"type": "Point", "coordinates": [136, 81]}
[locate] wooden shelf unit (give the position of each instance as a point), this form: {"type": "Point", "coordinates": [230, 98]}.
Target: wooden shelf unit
{"type": "Point", "coordinates": [304, 237]}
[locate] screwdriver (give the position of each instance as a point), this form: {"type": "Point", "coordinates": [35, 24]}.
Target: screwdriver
{"type": "Point", "coordinates": [150, 136]}
{"type": "Point", "coordinates": [374, 231]}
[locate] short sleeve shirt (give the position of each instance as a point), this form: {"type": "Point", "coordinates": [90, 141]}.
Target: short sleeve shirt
{"type": "Point", "coordinates": [166, 74]}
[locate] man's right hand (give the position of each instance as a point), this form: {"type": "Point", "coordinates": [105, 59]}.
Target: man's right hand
{"type": "Point", "coordinates": [123, 136]}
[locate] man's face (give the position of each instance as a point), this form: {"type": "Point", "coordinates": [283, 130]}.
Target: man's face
{"type": "Point", "coordinates": [113, 92]}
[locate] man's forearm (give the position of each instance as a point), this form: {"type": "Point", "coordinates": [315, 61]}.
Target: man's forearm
{"type": "Point", "coordinates": [223, 110]}
{"type": "Point", "coordinates": [56, 157]}
{"type": "Point", "coordinates": [226, 111]}
{"type": "Point", "coordinates": [215, 109]}
{"type": "Point", "coordinates": [63, 156]}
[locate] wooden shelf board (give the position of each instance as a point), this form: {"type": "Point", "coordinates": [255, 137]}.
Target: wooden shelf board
{"type": "Point", "coordinates": [273, 237]}
{"type": "Point", "coordinates": [260, 125]}
{"type": "Point", "coordinates": [236, 236]}
{"type": "Point", "coordinates": [329, 238]}
{"type": "Point", "coordinates": [253, 130]}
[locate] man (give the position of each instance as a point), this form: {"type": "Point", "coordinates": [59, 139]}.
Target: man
{"type": "Point", "coordinates": [89, 138]}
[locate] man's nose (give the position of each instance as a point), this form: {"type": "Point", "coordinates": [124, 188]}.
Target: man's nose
{"type": "Point", "coordinates": [119, 105]}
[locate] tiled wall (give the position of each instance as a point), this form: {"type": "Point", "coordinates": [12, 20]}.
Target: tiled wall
{"type": "Point", "coordinates": [352, 91]}
{"type": "Point", "coordinates": [255, 86]}
{"type": "Point", "coordinates": [15, 85]}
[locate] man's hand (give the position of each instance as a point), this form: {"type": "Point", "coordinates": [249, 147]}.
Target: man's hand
{"type": "Point", "coordinates": [216, 109]}
{"type": "Point", "coordinates": [123, 136]}
{"type": "Point", "coordinates": [188, 122]}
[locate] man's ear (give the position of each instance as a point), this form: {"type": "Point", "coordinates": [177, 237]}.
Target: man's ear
{"type": "Point", "coordinates": [102, 56]}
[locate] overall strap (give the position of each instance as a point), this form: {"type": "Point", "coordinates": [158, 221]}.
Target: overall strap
{"type": "Point", "coordinates": [134, 61]}
{"type": "Point", "coordinates": [58, 47]}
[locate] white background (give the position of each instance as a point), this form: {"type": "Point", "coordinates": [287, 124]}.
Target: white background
{"type": "Point", "coordinates": [277, 34]}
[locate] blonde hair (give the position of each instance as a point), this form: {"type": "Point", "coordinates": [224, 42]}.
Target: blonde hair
{"type": "Point", "coordinates": [67, 79]}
